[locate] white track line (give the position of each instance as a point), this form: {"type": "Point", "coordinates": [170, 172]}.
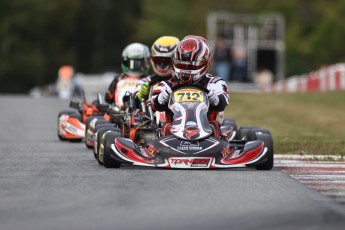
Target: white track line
{"type": "Point", "coordinates": [328, 177]}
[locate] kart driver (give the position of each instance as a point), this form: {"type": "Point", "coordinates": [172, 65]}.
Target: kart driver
{"type": "Point", "coordinates": [190, 63]}
{"type": "Point", "coordinates": [161, 61]}
{"type": "Point", "coordinates": [135, 64]}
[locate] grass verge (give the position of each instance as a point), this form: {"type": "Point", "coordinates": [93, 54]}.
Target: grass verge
{"type": "Point", "coordinates": [310, 123]}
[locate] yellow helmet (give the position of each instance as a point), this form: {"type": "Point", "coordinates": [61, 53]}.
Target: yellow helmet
{"type": "Point", "coordinates": [161, 55]}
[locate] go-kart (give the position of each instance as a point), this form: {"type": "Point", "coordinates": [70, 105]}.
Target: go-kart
{"type": "Point", "coordinates": [94, 123]}
{"type": "Point", "coordinates": [191, 144]}
{"type": "Point", "coordinates": [134, 118]}
{"type": "Point", "coordinates": [129, 122]}
{"type": "Point", "coordinates": [71, 123]}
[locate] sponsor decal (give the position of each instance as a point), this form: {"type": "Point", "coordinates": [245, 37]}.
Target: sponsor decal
{"type": "Point", "coordinates": [227, 150]}
{"type": "Point", "coordinates": [187, 143]}
{"type": "Point", "coordinates": [190, 162]}
{"type": "Point", "coordinates": [126, 83]}
{"type": "Point", "coordinates": [152, 150]}
{"type": "Point", "coordinates": [189, 146]}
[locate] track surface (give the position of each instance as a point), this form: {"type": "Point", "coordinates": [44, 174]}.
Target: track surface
{"type": "Point", "coordinates": [48, 184]}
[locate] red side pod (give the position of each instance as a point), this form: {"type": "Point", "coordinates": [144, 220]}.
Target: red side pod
{"type": "Point", "coordinates": [130, 154]}
{"type": "Point", "coordinates": [244, 157]}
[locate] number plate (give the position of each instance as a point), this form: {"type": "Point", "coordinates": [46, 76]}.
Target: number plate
{"type": "Point", "coordinates": [188, 95]}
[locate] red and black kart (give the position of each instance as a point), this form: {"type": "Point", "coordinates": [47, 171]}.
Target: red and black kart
{"type": "Point", "coordinates": [191, 144]}
{"type": "Point", "coordinates": [137, 124]}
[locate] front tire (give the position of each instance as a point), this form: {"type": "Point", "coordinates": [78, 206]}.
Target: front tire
{"type": "Point", "coordinates": [98, 138]}
{"type": "Point", "coordinates": [87, 127]}
{"type": "Point", "coordinates": [108, 161]}
{"type": "Point", "coordinates": [265, 136]}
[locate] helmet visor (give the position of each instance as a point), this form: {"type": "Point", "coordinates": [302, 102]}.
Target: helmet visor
{"type": "Point", "coordinates": [188, 67]}
{"type": "Point", "coordinates": [135, 64]}
{"type": "Point", "coordinates": [192, 65]}
{"type": "Point", "coordinates": [161, 60]}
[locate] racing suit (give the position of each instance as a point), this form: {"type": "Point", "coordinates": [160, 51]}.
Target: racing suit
{"type": "Point", "coordinates": [151, 80]}
{"type": "Point", "coordinates": [218, 97]}
{"type": "Point", "coordinates": [110, 94]}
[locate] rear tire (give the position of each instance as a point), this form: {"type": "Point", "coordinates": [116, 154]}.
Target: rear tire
{"type": "Point", "coordinates": [265, 136]}
{"type": "Point", "coordinates": [243, 131]}
{"type": "Point", "coordinates": [108, 161]}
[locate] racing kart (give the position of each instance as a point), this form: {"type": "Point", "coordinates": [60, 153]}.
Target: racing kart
{"type": "Point", "coordinates": [137, 124]}
{"type": "Point", "coordinates": [96, 122]}
{"type": "Point", "coordinates": [190, 145]}
{"type": "Point", "coordinates": [71, 123]}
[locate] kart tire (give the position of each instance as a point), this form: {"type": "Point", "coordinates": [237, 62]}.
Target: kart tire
{"type": "Point", "coordinates": [65, 112]}
{"type": "Point", "coordinates": [102, 125]}
{"type": "Point", "coordinates": [101, 121]}
{"type": "Point", "coordinates": [243, 131]}
{"type": "Point", "coordinates": [228, 121]}
{"type": "Point", "coordinates": [108, 161]}
{"type": "Point", "coordinates": [265, 136]}
{"type": "Point", "coordinates": [98, 138]}
{"type": "Point", "coordinates": [87, 125]}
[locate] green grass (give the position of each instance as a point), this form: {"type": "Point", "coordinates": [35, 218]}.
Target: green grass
{"type": "Point", "coordinates": [313, 123]}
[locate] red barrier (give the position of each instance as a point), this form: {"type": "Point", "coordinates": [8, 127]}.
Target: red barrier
{"type": "Point", "coordinates": [328, 78]}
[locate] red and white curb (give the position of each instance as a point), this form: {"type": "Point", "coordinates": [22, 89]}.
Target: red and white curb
{"type": "Point", "coordinates": [326, 174]}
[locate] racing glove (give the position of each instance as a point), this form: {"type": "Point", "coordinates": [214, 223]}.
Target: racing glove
{"type": "Point", "coordinates": [213, 98]}
{"type": "Point", "coordinates": [144, 90]}
{"type": "Point", "coordinates": [164, 96]}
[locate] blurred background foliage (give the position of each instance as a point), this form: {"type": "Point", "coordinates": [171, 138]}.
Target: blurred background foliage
{"type": "Point", "coordinates": [38, 36]}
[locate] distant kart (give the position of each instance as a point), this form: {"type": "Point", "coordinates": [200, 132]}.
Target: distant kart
{"type": "Point", "coordinates": [71, 123]}
{"type": "Point", "coordinates": [94, 123]}
{"type": "Point", "coordinates": [191, 144]}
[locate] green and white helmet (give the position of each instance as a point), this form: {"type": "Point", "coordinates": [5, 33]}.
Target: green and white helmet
{"type": "Point", "coordinates": [136, 59]}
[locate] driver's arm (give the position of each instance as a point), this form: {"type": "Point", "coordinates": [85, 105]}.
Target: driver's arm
{"type": "Point", "coordinates": [220, 90]}
{"type": "Point", "coordinates": [161, 96]}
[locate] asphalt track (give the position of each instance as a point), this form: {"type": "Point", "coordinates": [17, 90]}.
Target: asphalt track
{"type": "Point", "coordinates": [48, 184]}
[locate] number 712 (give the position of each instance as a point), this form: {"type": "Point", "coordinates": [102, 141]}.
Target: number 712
{"type": "Point", "coordinates": [188, 96]}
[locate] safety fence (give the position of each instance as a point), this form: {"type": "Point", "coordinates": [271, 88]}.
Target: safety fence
{"type": "Point", "coordinates": [329, 78]}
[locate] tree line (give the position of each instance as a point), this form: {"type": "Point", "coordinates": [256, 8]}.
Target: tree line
{"type": "Point", "coordinates": [38, 36]}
